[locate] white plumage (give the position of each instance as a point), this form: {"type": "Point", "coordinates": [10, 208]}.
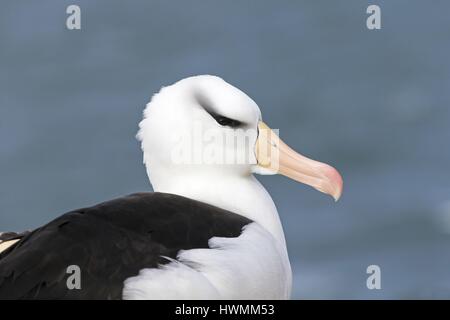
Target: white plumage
{"type": "Point", "coordinates": [253, 265]}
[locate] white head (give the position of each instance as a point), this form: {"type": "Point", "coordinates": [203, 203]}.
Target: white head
{"type": "Point", "coordinates": [185, 137]}
{"type": "Point", "coordinates": [182, 128]}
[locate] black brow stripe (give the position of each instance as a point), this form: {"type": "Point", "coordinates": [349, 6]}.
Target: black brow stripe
{"type": "Point", "coordinates": [222, 120]}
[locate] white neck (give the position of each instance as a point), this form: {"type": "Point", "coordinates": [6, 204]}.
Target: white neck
{"type": "Point", "coordinates": [243, 195]}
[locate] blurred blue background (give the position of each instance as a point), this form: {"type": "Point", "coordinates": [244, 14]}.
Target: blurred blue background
{"type": "Point", "coordinates": [375, 104]}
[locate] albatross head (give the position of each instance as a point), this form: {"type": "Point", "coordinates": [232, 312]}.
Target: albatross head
{"type": "Point", "coordinates": [204, 128]}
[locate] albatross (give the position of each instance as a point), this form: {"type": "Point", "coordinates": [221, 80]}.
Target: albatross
{"type": "Point", "coordinates": [209, 230]}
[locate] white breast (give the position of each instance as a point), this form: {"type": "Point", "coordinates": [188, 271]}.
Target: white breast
{"type": "Point", "coordinates": [251, 266]}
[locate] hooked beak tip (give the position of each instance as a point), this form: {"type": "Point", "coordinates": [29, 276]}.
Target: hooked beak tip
{"type": "Point", "coordinates": [336, 182]}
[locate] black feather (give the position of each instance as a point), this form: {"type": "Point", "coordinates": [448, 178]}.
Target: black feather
{"type": "Point", "coordinates": [110, 242]}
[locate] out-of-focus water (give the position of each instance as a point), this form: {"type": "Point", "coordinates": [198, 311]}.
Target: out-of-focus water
{"type": "Point", "coordinates": [375, 104]}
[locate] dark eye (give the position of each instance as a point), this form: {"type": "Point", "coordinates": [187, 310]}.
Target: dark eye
{"type": "Point", "coordinates": [224, 121]}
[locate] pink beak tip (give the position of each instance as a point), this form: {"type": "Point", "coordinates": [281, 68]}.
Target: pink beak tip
{"type": "Point", "coordinates": [336, 182]}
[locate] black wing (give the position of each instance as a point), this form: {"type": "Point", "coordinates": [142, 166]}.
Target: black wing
{"type": "Point", "coordinates": [110, 242]}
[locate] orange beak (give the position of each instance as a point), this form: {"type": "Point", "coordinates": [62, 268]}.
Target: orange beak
{"type": "Point", "coordinates": [276, 156]}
